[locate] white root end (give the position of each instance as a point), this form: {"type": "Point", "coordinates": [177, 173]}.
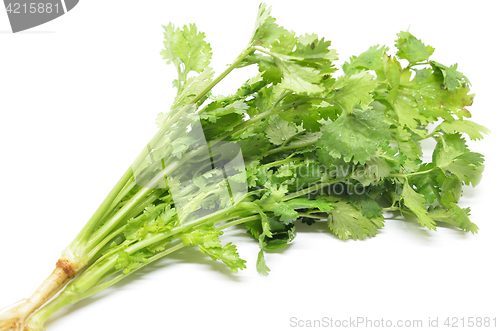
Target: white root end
{"type": "Point", "coordinates": [9, 318]}
{"type": "Point", "coordinates": [15, 316]}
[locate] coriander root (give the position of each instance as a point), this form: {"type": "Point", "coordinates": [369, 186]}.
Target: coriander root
{"type": "Point", "coordinates": [15, 317]}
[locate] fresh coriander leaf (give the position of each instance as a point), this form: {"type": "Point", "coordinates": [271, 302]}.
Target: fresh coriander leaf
{"type": "Point", "coordinates": [354, 136]}
{"type": "Point", "coordinates": [451, 190]}
{"type": "Point", "coordinates": [227, 254]}
{"type": "Point", "coordinates": [411, 48]}
{"type": "Point", "coordinates": [369, 207]}
{"type": "Point", "coordinates": [187, 45]}
{"type": "Point", "coordinates": [452, 156]}
{"type": "Point", "coordinates": [262, 268]}
{"type": "Point", "coordinates": [409, 115]}
{"type": "Point", "coordinates": [266, 30]}
{"type": "Point", "coordinates": [408, 143]}
{"type": "Point", "coordinates": [304, 203]}
{"type": "Point", "coordinates": [347, 222]}
{"type": "Point", "coordinates": [299, 78]}
{"type": "Point", "coordinates": [416, 203]}
{"type": "Point", "coordinates": [375, 169]}
{"type": "Point", "coordinates": [455, 216]}
{"type": "Point", "coordinates": [453, 78]}
{"type": "Point", "coordinates": [472, 129]}
{"type": "Point", "coordinates": [368, 60]}
{"type": "Point", "coordinates": [354, 90]}
{"type": "Point", "coordinates": [280, 131]}
{"type": "Point", "coordinates": [392, 71]}
{"type": "Point", "coordinates": [310, 47]}
{"type": "Point", "coordinates": [207, 236]}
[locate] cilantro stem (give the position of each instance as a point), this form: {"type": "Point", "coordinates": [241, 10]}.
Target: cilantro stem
{"type": "Point", "coordinates": [89, 285]}
{"type": "Point", "coordinates": [420, 63]}
{"type": "Point", "coordinates": [169, 122]}
{"type": "Point", "coordinates": [107, 202]}
{"type": "Point", "coordinates": [239, 221]}
{"type": "Point", "coordinates": [92, 253]}
{"type": "Point", "coordinates": [284, 95]}
{"type": "Point", "coordinates": [133, 213]}
{"type": "Point", "coordinates": [107, 284]}
{"type": "Point", "coordinates": [118, 217]}
{"type": "Point", "coordinates": [308, 190]}
{"type": "Point", "coordinates": [340, 106]}
{"type": "Point", "coordinates": [292, 137]}
{"type": "Point", "coordinates": [210, 86]}
{"type": "Point", "coordinates": [434, 134]}
{"type": "Point", "coordinates": [287, 148]}
{"type": "Point", "coordinates": [226, 72]}
{"type": "Point", "coordinates": [83, 237]}
{"type": "Point", "coordinates": [140, 195]}
{"type": "Point", "coordinates": [126, 189]}
{"type": "Point", "coordinates": [409, 212]}
{"type": "Point", "coordinates": [404, 93]}
{"type": "Point", "coordinates": [412, 173]}
{"type": "Point", "coordinates": [219, 216]}
{"type": "Point", "coordinates": [74, 292]}
{"type": "Point", "coordinates": [318, 217]}
{"type": "Point", "coordinates": [261, 116]}
{"type": "Point", "coordinates": [136, 200]}
{"type": "Point", "coordinates": [285, 161]}
{"type": "Point", "coordinates": [179, 74]}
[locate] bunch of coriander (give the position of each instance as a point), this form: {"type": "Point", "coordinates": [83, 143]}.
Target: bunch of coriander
{"type": "Point", "coordinates": [298, 142]}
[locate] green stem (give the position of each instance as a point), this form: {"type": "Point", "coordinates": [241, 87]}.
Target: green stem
{"type": "Point", "coordinates": [182, 228]}
{"type": "Point", "coordinates": [436, 217]}
{"type": "Point", "coordinates": [412, 173]}
{"type": "Point", "coordinates": [137, 199]}
{"type": "Point", "coordinates": [88, 284]}
{"type": "Point", "coordinates": [283, 96]}
{"type": "Point", "coordinates": [126, 189]}
{"type": "Point", "coordinates": [404, 93]}
{"type": "Point", "coordinates": [136, 211]}
{"type": "Point", "coordinates": [292, 137]}
{"type": "Point", "coordinates": [432, 134]}
{"type": "Point", "coordinates": [288, 148]}
{"type": "Point", "coordinates": [239, 221]}
{"type": "Point", "coordinates": [83, 237]}
{"type": "Point", "coordinates": [308, 190]}
{"type": "Point", "coordinates": [285, 161]}
{"type": "Point", "coordinates": [107, 239]}
{"type": "Point", "coordinates": [167, 125]}
{"type": "Point", "coordinates": [89, 227]}
{"type": "Point", "coordinates": [200, 95]}
{"type": "Point", "coordinates": [118, 217]}
{"type": "Point", "coordinates": [104, 231]}
{"type": "Point", "coordinates": [420, 64]}
{"type": "Point", "coordinates": [106, 267]}
{"type": "Point", "coordinates": [115, 280]}
{"type": "Point", "coordinates": [262, 116]}
{"type": "Point", "coordinates": [318, 217]}
{"type": "Point", "coordinates": [402, 210]}
{"type": "Point", "coordinates": [71, 294]}
{"type": "Point", "coordinates": [144, 203]}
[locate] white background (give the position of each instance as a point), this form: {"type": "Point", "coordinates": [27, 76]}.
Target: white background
{"type": "Point", "coordinates": [78, 100]}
